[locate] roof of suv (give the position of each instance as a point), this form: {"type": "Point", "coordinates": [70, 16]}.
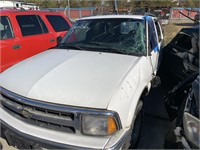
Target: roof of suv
{"type": "Point", "coordinates": [16, 11]}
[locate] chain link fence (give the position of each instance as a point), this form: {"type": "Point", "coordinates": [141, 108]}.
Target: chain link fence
{"type": "Point", "coordinates": [165, 14]}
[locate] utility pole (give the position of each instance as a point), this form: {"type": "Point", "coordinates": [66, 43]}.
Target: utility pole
{"type": "Point", "coordinates": [102, 5]}
{"type": "Point", "coordinates": [115, 8]}
{"type": "Point", "coordinates": [67, 9]}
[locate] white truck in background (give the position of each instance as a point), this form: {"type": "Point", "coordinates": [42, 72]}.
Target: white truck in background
{"type": "Point", "coordinates": [18, 5]}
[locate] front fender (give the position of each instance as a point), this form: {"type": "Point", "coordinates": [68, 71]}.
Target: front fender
{"type": "Point", "coordinates": [127, 95]}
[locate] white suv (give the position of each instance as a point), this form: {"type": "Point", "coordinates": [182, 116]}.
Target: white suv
{"type": "Point", "coordinates": [87, 92]}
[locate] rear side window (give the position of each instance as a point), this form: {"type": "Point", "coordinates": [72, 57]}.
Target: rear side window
{"type": "Point", "coordinates": [58, 23]}
{"type": "Point", "coordinates": [31, 25]}
{"type": "Point", "coordinates": [152, 34]}
{"type": "Point", "coordinates": [6, 31]}
{"type": "Point", "coordinates": [158, 31]}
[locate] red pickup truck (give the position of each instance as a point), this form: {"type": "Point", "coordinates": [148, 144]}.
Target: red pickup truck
{"type": "Point", "coordinates": [26, 33]}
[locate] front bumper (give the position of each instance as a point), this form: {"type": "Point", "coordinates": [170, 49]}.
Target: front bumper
{"type": "Point", "coordinates": [25, 141]}
{"type": "Point", "coordinates": [26, 136]}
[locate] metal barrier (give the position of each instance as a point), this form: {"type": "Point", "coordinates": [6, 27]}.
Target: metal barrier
{"type": "Point", "coordinates": [174, 14]}
{"type": "Point", "coordinates": [164, 14]}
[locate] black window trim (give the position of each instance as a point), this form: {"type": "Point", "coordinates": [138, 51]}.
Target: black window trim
{"type": "Point", "coordinates": [11, 28]}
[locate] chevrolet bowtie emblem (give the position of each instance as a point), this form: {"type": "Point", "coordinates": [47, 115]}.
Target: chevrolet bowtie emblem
{"type": "Point", "coordinates": [26, 114]}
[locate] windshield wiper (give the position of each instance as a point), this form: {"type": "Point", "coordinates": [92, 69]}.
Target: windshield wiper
{"type": "Point", "coordinates": [106, 47]}
{"type": "Point", "coordinates": [94, 43]}
{"type": "Point", "coordinates": [114, 50]}
{"type": "Point", "coordinates": [70, 46]}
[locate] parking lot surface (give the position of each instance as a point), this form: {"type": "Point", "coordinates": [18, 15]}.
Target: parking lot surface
{"type": "Point", "coordinates": [156, 121]}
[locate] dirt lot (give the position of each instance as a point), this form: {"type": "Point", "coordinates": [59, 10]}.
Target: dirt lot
{"type": "Point", "coordinates": [174, 27]}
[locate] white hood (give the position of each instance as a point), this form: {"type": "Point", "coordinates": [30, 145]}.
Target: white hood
{"type": "Point", "coordinates": [76, 78]}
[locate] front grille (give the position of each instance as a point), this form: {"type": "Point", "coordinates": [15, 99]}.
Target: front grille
{"type": "Point", "coordinates": [41, 114]}
{"type": "Point", "coordinates": [48, 115]}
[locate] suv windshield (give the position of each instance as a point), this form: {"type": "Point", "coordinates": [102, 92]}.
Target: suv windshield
{"type": "Point", "coordinates": [124, 36]}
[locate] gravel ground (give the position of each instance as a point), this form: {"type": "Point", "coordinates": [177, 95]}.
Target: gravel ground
{"type": "Point", "coordinates": [174, 27]}
{"type": "Point", "coordinates": [156, 120]}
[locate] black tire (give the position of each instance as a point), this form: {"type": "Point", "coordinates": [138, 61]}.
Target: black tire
{"type": "Point", "coordinates": [132, 140]}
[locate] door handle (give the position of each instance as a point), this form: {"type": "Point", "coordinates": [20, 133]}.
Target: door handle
{"type": "Point", "coordinates": [52, 40]}
{"type": "Point", "coordinates": [16, 47]}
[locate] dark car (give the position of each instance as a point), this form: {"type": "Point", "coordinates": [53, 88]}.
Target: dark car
{"type": "Point", "coordinates": [181, 56]}
{"type": "Point", "coordinates": [181, 67]}
{"type": "Point", "coordinates": [184, 131]}
{"type": "Point", "coordinates": [175, 97]}
{"type": "Point", "coordinates": [181, 61]}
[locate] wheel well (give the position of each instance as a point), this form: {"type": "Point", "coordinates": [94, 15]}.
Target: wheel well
{"type": "Point", "coordinates": [141, 99]}
{"type": "Point", "coordinates": [139, 105]}
{"type": "Point", "coordinates": [145, 92]}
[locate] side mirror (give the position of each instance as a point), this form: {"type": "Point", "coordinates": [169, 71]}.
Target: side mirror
{"type": "Point", "coordinates": [59, 39]}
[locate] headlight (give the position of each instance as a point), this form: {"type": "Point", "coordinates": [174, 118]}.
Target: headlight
{"type": "Point", "coordinates": [191, 126]}
{"type": "Point", "coordinates": [98, 125]}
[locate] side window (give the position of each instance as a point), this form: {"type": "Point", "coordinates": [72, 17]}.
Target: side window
{"type": "Point", "coordinates": [158, 31]}
{"type": "Point", "coordinates": [6, 31]}
{"type": "Point", "coordinates": [31, 25]}
{"type": "Point", "coordinates": [152, 35]}
{"type": "Point", "coordinates": [58, 23]}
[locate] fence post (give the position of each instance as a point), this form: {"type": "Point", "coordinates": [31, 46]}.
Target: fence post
{"type": "Point", "coordinates": [180, 15]}
{"type": "Point", "coordinates": [80, 13]}
{"type": "Point", "coordinates": [189, 13]}
{"type": "Point", "coordinates": [69, 12]}
{"type": "Point", "coordinates": [91, 12]}
{"type": "Point", "coordinates": [171, 13]}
